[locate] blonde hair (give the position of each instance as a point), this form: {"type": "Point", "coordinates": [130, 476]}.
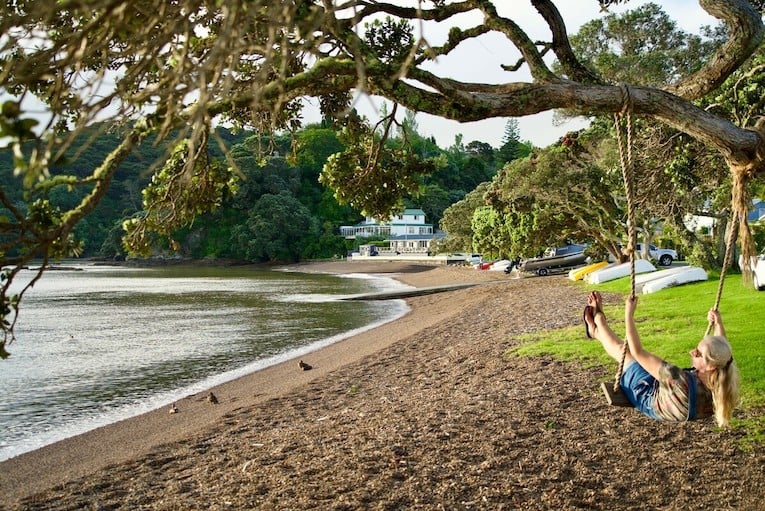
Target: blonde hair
{"type": "Point", "coordinates": [723, 382]}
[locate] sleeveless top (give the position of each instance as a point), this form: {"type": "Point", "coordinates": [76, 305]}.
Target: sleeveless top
{"type": "Point", "coordinates": [677, 388]}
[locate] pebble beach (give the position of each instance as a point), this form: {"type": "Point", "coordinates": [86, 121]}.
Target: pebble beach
{"type": "Point", "coordinates": [427, 412]}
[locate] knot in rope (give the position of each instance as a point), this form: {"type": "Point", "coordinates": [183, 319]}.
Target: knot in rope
{"type": "Point", "coordinates": [626, 99]}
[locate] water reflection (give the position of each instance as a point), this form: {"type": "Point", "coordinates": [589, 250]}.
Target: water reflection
{"type": "Point", "coordinates": [104, 343]}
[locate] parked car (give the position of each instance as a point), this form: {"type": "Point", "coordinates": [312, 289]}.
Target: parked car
{"type": "Point", "coordinates": [758, 270]}
{"type": "Point", "coordinates": [475, 259]}
{"type": "Point", "coordinates": [665, 256]}
{"type": "Point", "coordinates": [759, 273]}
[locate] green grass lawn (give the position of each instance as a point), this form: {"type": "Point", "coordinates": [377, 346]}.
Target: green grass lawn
{"type": "Point", "coordinates": [671, 322]}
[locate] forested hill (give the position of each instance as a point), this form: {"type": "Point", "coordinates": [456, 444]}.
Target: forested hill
{"type": "Point", "coordinates": [280, 212]}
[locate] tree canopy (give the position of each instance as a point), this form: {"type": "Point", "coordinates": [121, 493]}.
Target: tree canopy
{"type": "Point", "coordinates": [174, 70]}
{"type": "Point", "coordinates": [553, 197]}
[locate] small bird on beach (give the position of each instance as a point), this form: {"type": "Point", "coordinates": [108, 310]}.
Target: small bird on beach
{"type": "Point", "coordinates": [211, 398]}
{"type": "Point", "coordinates": [304, 366]}
{"type": "Point", "coordinates": [173, 409]}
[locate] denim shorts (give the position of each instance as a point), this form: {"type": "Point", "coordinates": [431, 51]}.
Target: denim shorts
{"type": "Point", "coordinates": [640, 388]}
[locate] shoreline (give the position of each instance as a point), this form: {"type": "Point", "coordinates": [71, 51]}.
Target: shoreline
{"type": "Point", "coordinates": [432, 411]}
{"type": "Point", "coordinates": [80, 455]}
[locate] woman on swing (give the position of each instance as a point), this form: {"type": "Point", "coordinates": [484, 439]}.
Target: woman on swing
{"type": "Point", "coordinates": [661, 390]}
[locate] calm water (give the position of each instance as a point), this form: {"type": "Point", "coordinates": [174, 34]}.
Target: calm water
{"type": "Point", "coordinates": [102, 344]}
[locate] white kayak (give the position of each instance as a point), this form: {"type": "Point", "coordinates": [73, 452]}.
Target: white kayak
{"type": "Point", "coordinates": [648, 277]}
{"type": "Point", "coordinates": [618, 271]}
{"type": "Point", "coordinates": [687, 275]}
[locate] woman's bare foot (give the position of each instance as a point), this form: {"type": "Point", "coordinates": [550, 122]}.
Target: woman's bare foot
{"type": "Point", "coordinates": [589, 321]}
{"type": "Point", "coordinates": [595, 301]}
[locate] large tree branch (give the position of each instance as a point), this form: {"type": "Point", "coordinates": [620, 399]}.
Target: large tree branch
{"type": "Point", "coordinates": [467, 102]}
{"type": "Point", "coordinates": [365, 9]}
{"type": "Point", "coordinates": [561, 45]}
{"type": "Point", "coordinates": [746, 34]}
{"type": "Point", "coordinates": [472, 102]}
{"type": "Point", "coordinates": [539, 70]}
{"type": "Point", "coordinates": [102, 178]}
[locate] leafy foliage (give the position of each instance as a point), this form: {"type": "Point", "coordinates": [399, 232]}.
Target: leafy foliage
{"type": "Point", "coordinates": [488, 232]}
{"type": "Point", "coordinates": [165, 73]}
{"type": "Point", "coordinates": [390, 40]}
{"type": "Point", "coordinates": [185, 187]}
{"type": "Point", "coordinates": [371, 176]}
{"type": "Point", "coordinates": [276, 229]}
{"type": "Point", "coordinates": [457, 221]}
{"type": "Point", "coordinates": [642, 47]}
{"type": "Point", "coordinates": [555, 195]}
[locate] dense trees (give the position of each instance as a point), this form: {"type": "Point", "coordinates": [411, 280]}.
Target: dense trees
{"type": "Point", "coordinates": [276, 227]}
{"type": "Point", "coordinates": [172, 70]}
{"type": "Point", "coordinates": [573, 191]}
{"type": "Point", "coordinates": [457, 221]}
{"type": "Point", "coordinates": [289, 176]}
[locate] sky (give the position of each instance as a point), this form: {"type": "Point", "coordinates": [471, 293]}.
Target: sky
{"type": "Point", "coordinates": [481, 60]}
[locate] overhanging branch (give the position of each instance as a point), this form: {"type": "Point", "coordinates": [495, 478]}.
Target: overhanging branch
{"type": "Point", "coordinates": [746, 34]}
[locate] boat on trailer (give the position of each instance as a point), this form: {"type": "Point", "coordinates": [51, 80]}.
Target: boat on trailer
{"type": "Point", "coordinates": [556, 259]}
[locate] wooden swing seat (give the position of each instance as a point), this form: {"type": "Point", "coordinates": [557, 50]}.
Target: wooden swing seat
{"type": "Point", "coordinates": [615, 397]}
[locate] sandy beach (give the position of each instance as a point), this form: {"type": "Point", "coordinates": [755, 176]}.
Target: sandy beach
{"type": "Point", "coordinates": [426, 412]}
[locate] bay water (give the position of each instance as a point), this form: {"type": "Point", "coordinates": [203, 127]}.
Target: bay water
{"type": "Point", "coordinates": [98, 344]}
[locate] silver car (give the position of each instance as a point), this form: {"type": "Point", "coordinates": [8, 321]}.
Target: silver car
{"type": "Point", "coordinates": [665, 256]}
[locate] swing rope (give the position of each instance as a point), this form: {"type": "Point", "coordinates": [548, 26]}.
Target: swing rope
{"type": "Point", "coordinates": [739, 204]}
{"type": "Point", "coordinates": [738, 225]}
{"type": "Point", "coordinates": [730, 241]}
{"type": "Point", "coordinates": [628, 177]}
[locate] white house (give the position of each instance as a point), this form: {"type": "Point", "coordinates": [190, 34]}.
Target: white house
{"type": "Point", "coordinates": [756, 215]}
{"type": "Point", "coordinates": [406, 232]}
{"type": "Point", "coordinates": [411, 221]}
{"type": "Point", "coordinates": [707, 223]}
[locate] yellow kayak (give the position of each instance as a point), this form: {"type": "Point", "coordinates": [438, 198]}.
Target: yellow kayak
{"type": "Point", "coordinates": [580, 273]}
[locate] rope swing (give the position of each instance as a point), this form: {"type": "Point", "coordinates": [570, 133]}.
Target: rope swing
{"type": "Point", "coordinates": [623, 124]}
{"type": "Point", "coordinates": [730, 242]}
{"type": "Point", "coordinates": [624, 138]}
{"type": "Point", "coordinates": [738, 227]}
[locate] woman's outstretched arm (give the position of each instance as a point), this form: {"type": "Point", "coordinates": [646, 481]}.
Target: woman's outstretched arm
{"type": "Point", "coordinates": [645, 358]}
